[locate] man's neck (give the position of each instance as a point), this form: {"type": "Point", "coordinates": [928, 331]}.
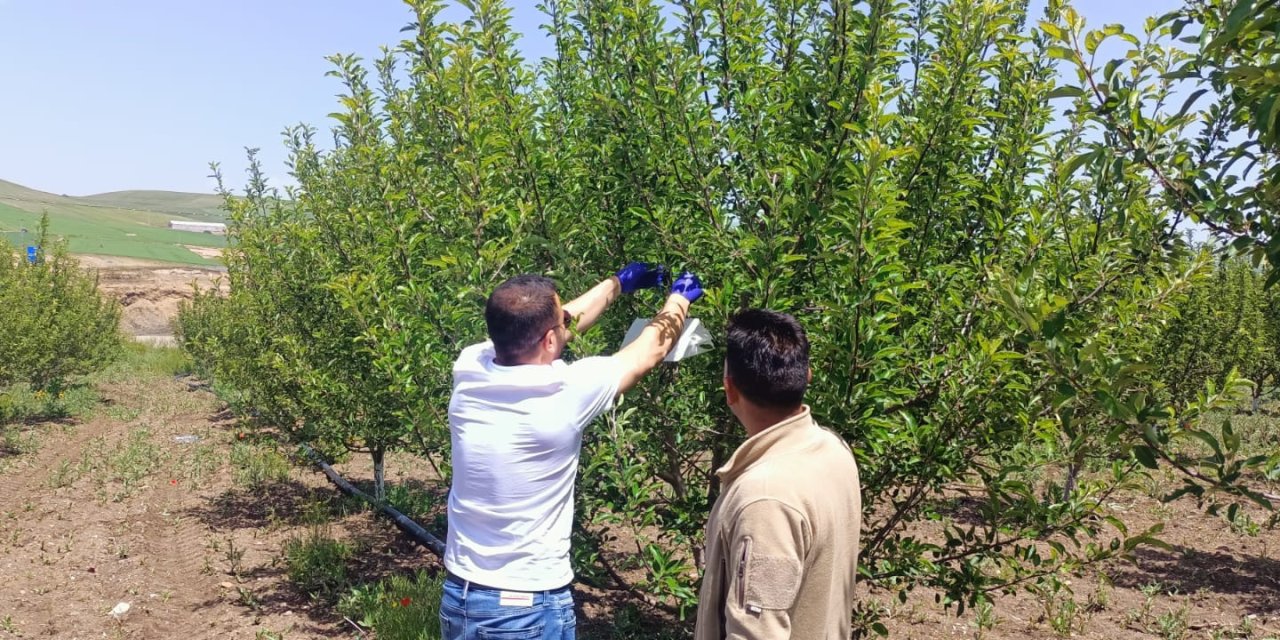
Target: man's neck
{"type": "Point", "coordinates": [536, 359]}
{"type": "Point", "coordinates": [757, 419]}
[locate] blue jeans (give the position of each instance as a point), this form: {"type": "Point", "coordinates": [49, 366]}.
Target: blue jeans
{"type": "Point", "coordinates": [472, 612]}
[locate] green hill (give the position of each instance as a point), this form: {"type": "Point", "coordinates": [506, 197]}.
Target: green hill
{"type": "Point", "coordinates": [10, 190]}
{"type": "Point", "coordinates": [113, 224]}
{"type": "Point", "coordinates": [201, 206]}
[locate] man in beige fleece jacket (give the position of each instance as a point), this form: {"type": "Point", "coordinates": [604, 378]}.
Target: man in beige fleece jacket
{"type": "Point", "coordinates": [782, 538]}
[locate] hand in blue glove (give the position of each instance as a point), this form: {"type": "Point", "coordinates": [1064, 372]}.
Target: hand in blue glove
{"type": "Point", "coordinates": [641, 275]}
{"type": "Point", "coordinates": [687, 285]}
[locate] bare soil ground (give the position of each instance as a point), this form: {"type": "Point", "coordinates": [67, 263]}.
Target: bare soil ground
{"type": "Point", "coordinates": [1214, 581]}
{"type": "Point", "coordinates": [112, 508]}
{"type": "Point", "coordinates": [151, 292]}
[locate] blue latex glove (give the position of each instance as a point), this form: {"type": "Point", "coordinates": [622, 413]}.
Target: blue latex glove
{"type": "Point", "coordinates": [641, 275]}
{"type": "Point", "coordinates": [689, 286]}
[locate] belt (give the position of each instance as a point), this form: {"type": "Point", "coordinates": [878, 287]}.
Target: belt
{"type": "Point", "coordinates": [472, 584]}
{"type": "Point", "coordinates": [459, 580]}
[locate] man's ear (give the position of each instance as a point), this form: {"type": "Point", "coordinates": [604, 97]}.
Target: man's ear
{"type": "Point", "coordinates": [731, 394]}
{"type": "Point", "coordinates": [810, 374]}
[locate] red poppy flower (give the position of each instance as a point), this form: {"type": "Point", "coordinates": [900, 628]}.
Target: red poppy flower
{"type": "Point", "coordinates": [173, 481]}
{"type": "Point", "coordinates": [404, 602]}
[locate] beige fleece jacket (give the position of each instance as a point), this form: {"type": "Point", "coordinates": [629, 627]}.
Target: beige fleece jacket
{"type": "Point", "coordinates": [782, 539]}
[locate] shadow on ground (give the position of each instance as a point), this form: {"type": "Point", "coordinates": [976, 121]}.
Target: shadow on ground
{"type": "Point", "coordinates": [1253, 579]}
{"type": "Point", "coordinates": [294, 509]}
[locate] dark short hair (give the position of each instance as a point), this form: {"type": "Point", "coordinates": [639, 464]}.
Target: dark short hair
{"type": "Point", "coordinates": [767, 358]}
{"type": "Point", "coordinates": [518, 312]}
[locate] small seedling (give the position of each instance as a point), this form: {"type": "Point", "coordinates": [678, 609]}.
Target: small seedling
{"type": "Point", "coordinates": [1173, 624]}
{"type": "Point", "coordinates": [246, 598]}
{"type": "Point", "coordinates": [984, 619]}
{"type": "Point", "coordinates": [234, 557]}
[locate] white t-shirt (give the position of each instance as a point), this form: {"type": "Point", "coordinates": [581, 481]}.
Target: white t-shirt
{"type": "Point", "coordinates": [517, 433]}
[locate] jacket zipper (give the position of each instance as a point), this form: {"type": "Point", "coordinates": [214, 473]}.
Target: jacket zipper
{"type": "Point", "coordinates": [742, 573]}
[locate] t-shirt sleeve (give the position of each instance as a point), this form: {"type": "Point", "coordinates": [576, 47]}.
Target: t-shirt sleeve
{"type": "Point", "coordinates": [593, 384]}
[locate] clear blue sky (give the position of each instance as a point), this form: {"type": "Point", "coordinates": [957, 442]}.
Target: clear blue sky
{"type": "Point", "coordinates": [142, 94]}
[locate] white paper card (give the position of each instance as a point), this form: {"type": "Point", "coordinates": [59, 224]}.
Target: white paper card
{"type": "Point", "coordinates": [515, 599]}
{"type": "Point", "coordinates": [693, 340]}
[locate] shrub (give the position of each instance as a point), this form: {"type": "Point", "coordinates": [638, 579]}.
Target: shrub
{"type": "Point", "coordinates": [984, 290]}
{"type": "Point", "coordinates": [54, 324]}
{"type": "Point", "coordinates": [317, 563]}
{"type": "Point", "coordinates": [1228, 321]}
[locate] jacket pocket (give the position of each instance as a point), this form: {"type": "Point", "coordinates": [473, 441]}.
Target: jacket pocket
{"type": "Point", "coordinates": [773, 582]}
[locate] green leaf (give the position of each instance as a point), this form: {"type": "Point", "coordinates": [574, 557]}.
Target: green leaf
{"type": "Point", "coordinates": [1061, 53]}
{"type": "Point", "coordinates": [1070, 167]}
{"type": "Point", "coordinates": [1065, 91]}
{"type": "Point", "coordinates": [1235, 20]}
{"type": "Point", "coordinates": [1230, 440]}
{"type": "Point", "coordinates": [1092, 40]}
{"type": "Point", "coordinates": [1053, 30]}
{"type": "Point", "coordinates": [1190, 101]}
{"type": "Point", "coordinates": [1113, 65]}
{"type": "Point", "coordinates": [1206, 438]}
{"type": "Point", "coordinates": [1145, 455]}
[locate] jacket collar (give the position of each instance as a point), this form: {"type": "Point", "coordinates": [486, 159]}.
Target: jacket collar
{"type": "Point", "coordinates": [783, 436]}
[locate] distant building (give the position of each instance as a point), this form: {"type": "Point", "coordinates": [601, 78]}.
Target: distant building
{"type": "Point", "coordinates": [216, 228]}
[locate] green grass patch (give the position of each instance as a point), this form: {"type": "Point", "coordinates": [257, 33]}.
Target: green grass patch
{"type": "Point", "coordinates": [125, 467]}
{"type": "Point", "coordinates": [317, 563]}
{"type": "Point", "coordinates": [21, 403]}
{"type": "Point", "coordinates": [14, 442]}
{"type": "Point", "coordinates": [143, 360]}
{"type": "Point", "coordinates": [64, 475]}
{"type": "Point", "coordinates": [199, 462]}
{"type": "Point", "coordinates": [398, 608]}
{"type": "Point", "coordinates": [106, 231]}
{"type": "Point", "coordinates": [258, 465]}
{"type": "Point", "coordinates": [133, 461]}
{"type": "Point", "coordinates": [1258, 431]}
{"type": "Point", "coordinates": [412, 501]}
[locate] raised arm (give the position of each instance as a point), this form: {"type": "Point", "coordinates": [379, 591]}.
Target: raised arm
{"type": "Point", "coordinates": [653, 343]}
{"type": "Point", "coordinates": [588, 307]}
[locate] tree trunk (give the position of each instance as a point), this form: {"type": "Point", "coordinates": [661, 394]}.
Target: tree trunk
{"type": "Point", "coordinates": [1069, 485]}
{"type": "Point", "coordinates": [379, 473]}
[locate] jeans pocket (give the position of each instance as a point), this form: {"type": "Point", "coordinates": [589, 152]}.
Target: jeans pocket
{"type": "Point", "coordinates": [526, 633]}
{"type": "Point", "coordinates": [568, 617]}
{"type": "Point", "coordinates": [568, 625]}
{"type": "Point", "coordinates": [446, 626]}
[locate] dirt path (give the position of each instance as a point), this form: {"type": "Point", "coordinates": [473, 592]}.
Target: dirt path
{"type": "Point", "coordinates": [118, 509]}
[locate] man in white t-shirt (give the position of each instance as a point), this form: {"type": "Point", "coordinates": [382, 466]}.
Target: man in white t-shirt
{"type": "Point", "coordinates": [516, 418]}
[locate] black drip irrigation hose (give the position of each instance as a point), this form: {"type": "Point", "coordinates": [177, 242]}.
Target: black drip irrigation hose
{"type": "Point", "coordinates": [405, 523]}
